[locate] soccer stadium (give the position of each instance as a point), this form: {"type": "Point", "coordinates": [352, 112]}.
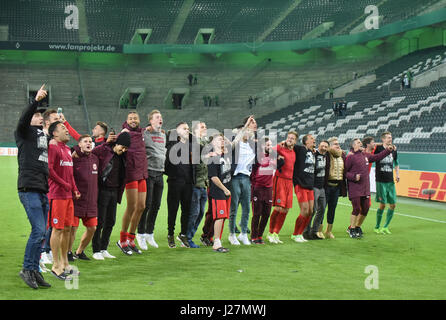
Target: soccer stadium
{"type": "Point", "coordinates": [320, 130]}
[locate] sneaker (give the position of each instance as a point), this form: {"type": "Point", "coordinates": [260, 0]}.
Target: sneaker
{"type": "Point", "coordinates": [358, 231]}
{"type": "Point", "coordinates": [298, 238]}
{"type": "Point", "coordinates": [44, 258]}
{"type": "Point", "coordinates": [377, 230]}
{"type": "Point", "coordinates": [385, 231]}
{"type": "Point", "coordinates": [150, 239]}
{"type": "Point", "coordinates": [233, 239]}
{"type": "Point", "coordinates": [171, 242]}
{"type": "Point", "coordinates": [193, 244]}
{"type": "Point", "coordinates": [260, 241]}
{"type": "Point", "coordinates": [205, 241]}
{"type": "Point", "coordinates": [352, 233]}
{"type": "Point", "coordinates": [141, 239]}
{"type": "Point", "coordinates": [82, 256]}
{"type": "Point", "coordinates": [125, 249]}
{"type": "Point", "coordinates": [42, 267]}
{"type": "Point", "coordinates": [183, 239]}
{"type": "Point", "coordinates": [271, 238]}
{"type": "Point", "coordinates": [243, 238]}
{"type": "Point", "coordinates": [276, 238]}
{"type": "Point", "coordinates": [107, 255]}
{"type": "Point", "coordinates": [98, 256]}
{"type": "Point", "coordinates": [71, 256]}
{"type": "Point", "coordinates": [29, 278]}
{"type": "Point", "coordinates": [40, 280]}
{"type": "Point", "coordinates": [134, 248]}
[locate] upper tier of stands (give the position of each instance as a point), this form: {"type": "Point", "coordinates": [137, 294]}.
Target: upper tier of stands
{"type": "Point", "coordinates": [115, 21]}
{"type": "Point", "coordinates": [416, 117]}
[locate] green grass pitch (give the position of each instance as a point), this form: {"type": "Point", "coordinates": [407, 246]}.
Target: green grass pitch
{"type": "Point", "coordinates": [410, 263]}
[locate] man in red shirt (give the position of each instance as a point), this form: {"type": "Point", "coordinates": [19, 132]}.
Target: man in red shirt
{"type": "Point", "coordinates": [62, 188]}
{"type": "Point", "coordinates": [283, 187]}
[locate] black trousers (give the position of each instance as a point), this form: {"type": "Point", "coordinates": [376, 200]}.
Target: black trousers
{"type": "Point", "coordinates": [107, 205]}
{"type": "Point", "coordinates": [155, 187]}
{"type": "Point", "coordinates": [178, 194]}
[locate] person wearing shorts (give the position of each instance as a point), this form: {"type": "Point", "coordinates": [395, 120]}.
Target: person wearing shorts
{"type": "Point", "coordinates": [86, 166]}
{"type": "Point", "coordinates": [136, 185]}
{"type": "Point", "coordinates": [282, 186]}
{"type": "Point", "coordinates": [62, 188]}
{"type": "Point", "coordinates": [303, 180]}
{"type": "Point", "coordinates": [385, 185]}
{"type": "Point", "coordinates": [219, 173]}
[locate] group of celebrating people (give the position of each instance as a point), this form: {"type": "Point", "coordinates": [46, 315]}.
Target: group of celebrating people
{"type": "Point", "coordinates": [59, 186]}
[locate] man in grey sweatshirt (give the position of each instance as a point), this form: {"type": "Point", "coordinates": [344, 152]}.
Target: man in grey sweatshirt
{"type": "Point", "coordinates": [155, 141]}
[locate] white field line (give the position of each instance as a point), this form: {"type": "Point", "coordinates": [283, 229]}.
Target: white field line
{"type": "Point", "coordinates": [401, 214]}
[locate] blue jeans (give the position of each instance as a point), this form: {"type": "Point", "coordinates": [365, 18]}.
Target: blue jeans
{"type": "Point", "coordinates": [240, 193]}
{"type": "Point", "coordinates": [197, 209]}
{"type": "Point", "coordinates": [36, 207]}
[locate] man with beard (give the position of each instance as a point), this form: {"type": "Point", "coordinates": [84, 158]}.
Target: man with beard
{"type": "Point", "coordinates": [313, 232]}
{"type": "Point", "coordinates": [136, 185]}
{"type": "Point", "coordinates": [335, 182]}
{"type": "Point", "coordinates": [181, 178]}
{"type": "Point", "coordinates": [32, 185]}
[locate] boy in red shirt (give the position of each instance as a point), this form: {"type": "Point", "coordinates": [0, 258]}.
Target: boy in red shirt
{"type": "Point", "coordinates": [62, 188]}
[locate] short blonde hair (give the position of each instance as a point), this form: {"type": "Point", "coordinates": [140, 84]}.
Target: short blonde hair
{"type": "Point", "coordinates": [293, 132]}
{"type": "Point", "coordinates": [152, 113]}
{"type": "Point", "coordinates": [332, 139]}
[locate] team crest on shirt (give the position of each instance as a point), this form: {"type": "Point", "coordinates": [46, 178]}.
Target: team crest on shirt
{"type": "Point", "coordinates": [278, 200]}
{"type": "Point", "coordinates": [222, 211]}
{"type": "Point", "coordinates": [255, 199]}
{"type": "Point", "coordinates": [55, 221]}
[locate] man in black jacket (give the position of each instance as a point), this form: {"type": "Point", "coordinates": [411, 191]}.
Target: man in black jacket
{"type": "Point", "coordinates": [180, 178]}
{"type": "Point", "coordinates": [32, 185]}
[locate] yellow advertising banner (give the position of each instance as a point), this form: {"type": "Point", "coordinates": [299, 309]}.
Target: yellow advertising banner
{"type": "Point", "coordinates": [414, 184]}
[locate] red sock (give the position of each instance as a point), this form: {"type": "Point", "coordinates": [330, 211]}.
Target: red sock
{"type": "Point", "coordinates": [280, 220]}
{"type": "Point", "coordinates": [123, 238]}
{"type": "Point", "coordinates": [304, 225]}
{"type": "Point", "coordinates": [298, 225]}
{"type": "Point", "coordinates": [131, 238]}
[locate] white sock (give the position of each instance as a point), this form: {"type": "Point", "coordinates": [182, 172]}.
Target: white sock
{"type": "Point", "coordinates": [217, 243]}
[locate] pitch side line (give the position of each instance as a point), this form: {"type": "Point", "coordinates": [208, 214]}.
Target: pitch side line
{"type": "Point", "coordinates": [402, 214]}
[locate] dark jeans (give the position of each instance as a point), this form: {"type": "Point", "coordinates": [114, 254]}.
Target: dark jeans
{"type": "Point", "coordinates": [178, 193]}
{"type": "Point", "coordinates": [261, 210]}
{"type": "Point", "coordinates": [36, 208]}
{"type": "Point", "coordinates": [197, 208]}
{"type": "Point", "coordinates": [107, 204]}
{"type": "Point", "coordinates": [155, 187]}
{"type": "Point", "coordinates": [332, 195]}
{"type": "Point", "coordinates": [208, 226]}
